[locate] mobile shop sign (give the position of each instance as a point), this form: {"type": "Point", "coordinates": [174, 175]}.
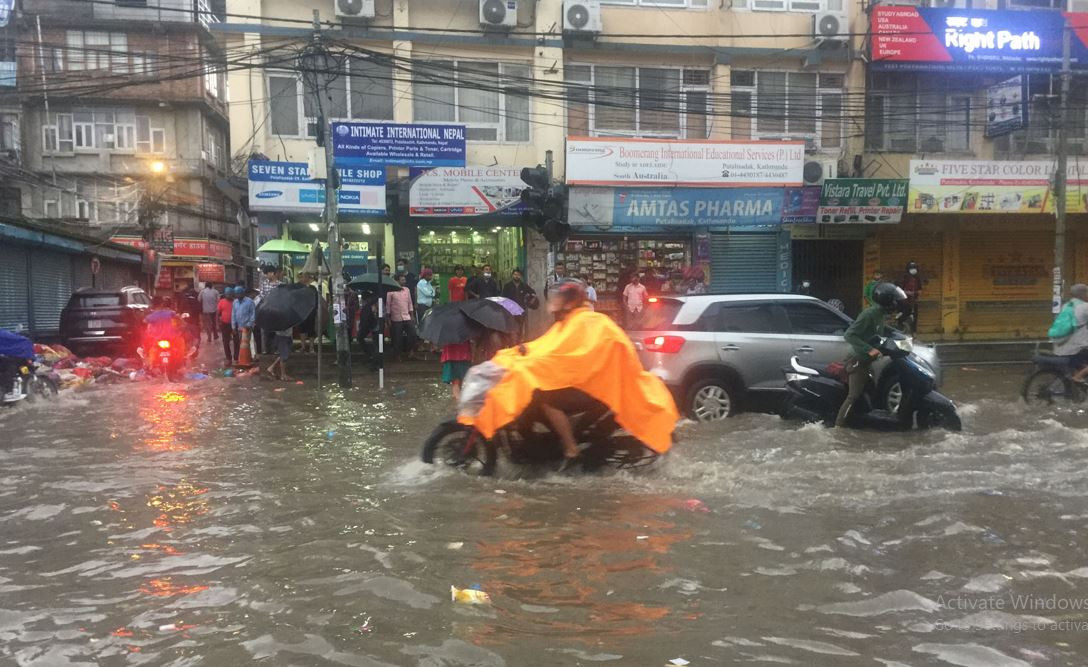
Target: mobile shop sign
{"type": "Point", "coordinates": [1006, 106]}
{"type": "Point", "coordinates": [862, 200]}
{"type": "Point", "coordinates": [932, 39]}
{"type": "Point", "coordinates": [465, 191]}
{"type": "Point", "coordinates": [287, 186]}
{"type": "Point", "coordinates": [676, 207]}
{"type": "Point", "coordinates": [800, 205]}
{"type": "Point", "coordinates": [656, 162]}
{"type": "Point", "coordinates": [401, 144]}
{"type": "Point", "coordinates": [978, 186]}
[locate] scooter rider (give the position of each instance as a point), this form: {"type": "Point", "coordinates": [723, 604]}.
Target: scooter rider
{"type": "Point", "coordinates": [566, 295]}
{"type": "Point", "coordinates": [887, 299]}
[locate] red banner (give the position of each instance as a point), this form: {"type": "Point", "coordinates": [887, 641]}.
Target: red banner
{"type": "Point", "coordinates": [215, 273]}
{"type": "Point", "coordinates": [166, 278]}
{"type": "Point", "coordinates": [186, 247]}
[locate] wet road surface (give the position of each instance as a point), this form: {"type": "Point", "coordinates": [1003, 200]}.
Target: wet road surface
{"type": "Point", "coordinates": [231, 521]}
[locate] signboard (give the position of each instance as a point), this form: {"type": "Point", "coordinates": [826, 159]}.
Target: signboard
{"type": "Point", "coordinates": [161, 240]}
{"type": "Point", "coordinates": [185, 247]}
{"type": "Point", "coordinates": [662, 162]}
{"type": "Point", "coordinates": [975, 40]}
{"type": "Point", "coordinates": [402, 144]}
{"type": "Point", "coordinates": [1007, 106]}
{"type": "Point", "coordinates": [976, 186]}
{"type": "Point", "coordinates": [211, 273]}
{"type": "Point", "coordinates": [6, 6]}
{"type": "Point", "coordinates": [462, 191]}
{"type": "Point", "coordinates": [800, 205]}
{"type": "Point", "coordinates": [675, 207]}
{"type": "Point", "coordinates": [862, 200]}
{"type": "Point", "coordinates": [165, 279]}
{"type": "Point", "coordinates": [287, 186]}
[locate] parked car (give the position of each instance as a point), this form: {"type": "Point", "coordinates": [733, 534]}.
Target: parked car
{"type": "Point", "coordinates": [714, 351]}
{"type": "Point", "coordinates": [98, 321]}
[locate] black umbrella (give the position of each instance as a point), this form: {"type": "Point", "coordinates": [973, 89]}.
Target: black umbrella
{"type": "Point", "coordinates": [374, 283]}
{"type": "Point", "coordinates": [446, 324]}
{"type": "Point", "coordinates": [490, 315]}
{"type": "Point", "coordinates": [286, 306]}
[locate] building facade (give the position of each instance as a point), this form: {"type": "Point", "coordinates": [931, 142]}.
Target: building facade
{"type": "Point", "coordinates": [123, 133]}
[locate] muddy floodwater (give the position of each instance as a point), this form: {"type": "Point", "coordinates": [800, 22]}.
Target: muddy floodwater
{"type": "Point", "coordinates": [227, 522]}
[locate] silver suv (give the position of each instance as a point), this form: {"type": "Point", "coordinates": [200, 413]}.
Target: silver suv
{"type": "Point", "coordinates": [713, 350]}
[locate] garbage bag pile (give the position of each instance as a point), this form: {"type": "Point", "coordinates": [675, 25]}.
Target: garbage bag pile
{"type": "Point", "coordinates": [70, 371]}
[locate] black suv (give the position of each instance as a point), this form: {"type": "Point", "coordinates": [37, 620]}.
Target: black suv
{"type": "Point", "coordinates": [97, 321]}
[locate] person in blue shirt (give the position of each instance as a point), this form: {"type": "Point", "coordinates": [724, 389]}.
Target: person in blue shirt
{"type": "Point", "coordinates": [244, 315]}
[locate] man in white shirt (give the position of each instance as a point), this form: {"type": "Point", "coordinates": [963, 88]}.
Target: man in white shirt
{"type": "Point", "coordinates": [209, 300]}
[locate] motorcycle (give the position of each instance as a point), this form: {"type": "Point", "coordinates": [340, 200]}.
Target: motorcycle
{"type": "Point", "coordinates": [1050, 381]}
{"type": "Point", "coordinates": [29, 383]}
{"type": "Point", "coordinates": [529, 439]}
{"type": "Point", "coordinates": [816, 395]}
{"type": "Point", "coordinates": [165, 349]}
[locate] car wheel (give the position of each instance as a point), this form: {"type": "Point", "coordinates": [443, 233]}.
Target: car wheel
{"type": "Point", "coordinates": [711, 400]}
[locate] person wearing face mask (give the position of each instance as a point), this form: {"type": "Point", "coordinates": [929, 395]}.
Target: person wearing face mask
{"type": "Point", "coordinates": [911, 282]}
{"type": "Point", "coordinates": [413, 279]}
{"type": "Point", "coordinates": [483, 286]}
{"type": "Point", "coordinates": [805, 288]}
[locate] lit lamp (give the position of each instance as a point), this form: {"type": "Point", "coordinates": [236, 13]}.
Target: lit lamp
{"type": "Point", "coordinates": [157, 167]}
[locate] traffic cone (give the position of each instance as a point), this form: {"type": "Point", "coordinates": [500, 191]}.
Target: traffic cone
{"type": "Point", "coordinates": [245, 358]}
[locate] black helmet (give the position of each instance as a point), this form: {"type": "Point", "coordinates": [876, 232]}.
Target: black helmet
{"type": "Point", "coordinates": [569, 293]}
{"type": "Point", "coordinates": [889, 296]}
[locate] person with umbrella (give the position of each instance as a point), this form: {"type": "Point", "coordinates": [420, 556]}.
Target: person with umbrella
{"type": "Point", "coordinates": [456, 360]}
{"type": "Point", "coordinates": [283, 340]}
{"type": "Point", "coordinates": [520, 293]}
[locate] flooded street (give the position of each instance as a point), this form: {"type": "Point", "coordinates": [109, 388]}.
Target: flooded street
{"type": "Point", "coordinates": [223, 522]}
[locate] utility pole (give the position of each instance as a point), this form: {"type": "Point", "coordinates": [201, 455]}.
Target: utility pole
{"type": "Point", "coordinates": [332, 184]}
{"type": "Point", "coordinates": [553, 247]}
{"type": "Point", "coordinates": [1060, 176]}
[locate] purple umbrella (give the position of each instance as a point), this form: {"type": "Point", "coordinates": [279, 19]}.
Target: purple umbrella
{"type": "Point", "coordinates": [510, 305]}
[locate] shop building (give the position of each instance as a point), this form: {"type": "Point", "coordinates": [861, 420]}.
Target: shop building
{"type": "Point", "coordinates": [975, 130]}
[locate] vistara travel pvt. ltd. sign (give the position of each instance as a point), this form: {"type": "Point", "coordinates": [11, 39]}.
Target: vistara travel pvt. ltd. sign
{"type": "Point", "coordinates": [974, 40]}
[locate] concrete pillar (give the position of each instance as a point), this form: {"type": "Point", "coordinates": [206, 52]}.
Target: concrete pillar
{"type": "Point", "coordinates": [720, 121]}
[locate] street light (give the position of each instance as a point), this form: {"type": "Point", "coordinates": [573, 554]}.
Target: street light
{"type": "Point", "coordinates": [157, 167]}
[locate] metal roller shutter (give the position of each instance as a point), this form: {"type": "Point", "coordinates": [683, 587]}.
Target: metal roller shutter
{"type": "Point", "coordinates": [744, 262]}
{"type": "Point", "coordinates": [14, 300]}
{"type": "Point", "coordinates": [927, 249]}
{"type": "Point", "coordinates": [50, 289]}
{"type": "Point", "coordinates": [1005, 282]}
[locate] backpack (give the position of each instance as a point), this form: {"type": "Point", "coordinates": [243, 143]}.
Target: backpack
{"type": "Point", "coordinates": [1064, 324]}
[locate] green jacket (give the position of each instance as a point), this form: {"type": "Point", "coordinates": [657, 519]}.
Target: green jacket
{"type": "Point", "coordinates": [869, 287]}
{"type": "Point", "coordinates": [868, 325]}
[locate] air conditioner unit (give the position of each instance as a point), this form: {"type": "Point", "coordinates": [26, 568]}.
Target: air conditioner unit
{"type": "Point", "coordinates": [499, 13]}
{"type": "Point", "coordinates": [358, 9]}
{"type": "Point", "coordinates": [818, 171]}
{"type": "Point", "coordinates": [582, 16]}
{"type": "Point", "coordinates": [830, 28]}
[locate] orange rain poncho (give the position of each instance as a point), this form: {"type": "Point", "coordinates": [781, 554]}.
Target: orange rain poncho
{"type": "Point", "coordinates": [585, 351]}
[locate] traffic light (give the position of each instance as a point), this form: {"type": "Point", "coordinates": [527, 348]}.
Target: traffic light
{"type": "Point", "coordinates": [546, 204]}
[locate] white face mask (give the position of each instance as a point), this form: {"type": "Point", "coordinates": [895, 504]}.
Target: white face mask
{"type": "Point", "coordinates": [400, 268]}
{"type": "Point", "coordinates": [804, 284]}
{"type": "Point", "coordinates": [487, 275]}
{"type": "Point", "coordinates": [914, 272]}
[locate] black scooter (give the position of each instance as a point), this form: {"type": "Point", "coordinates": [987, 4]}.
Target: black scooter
{"type": "Point", "coordinates": [816, 395]}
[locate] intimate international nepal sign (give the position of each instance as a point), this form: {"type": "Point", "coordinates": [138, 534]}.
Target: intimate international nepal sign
{"type": "Point", "coordinates": [601, 161]}
{"type": "Point", "coordinates": [465, 191]}
{"type": "Point", "coordinates": [676, 207]}
{"type": "Point", "coordinates": [944, 39]}
{"type": "Point", "coordinates": [399, 144]}
{"type": "Point", "coordinates": [287, 186]}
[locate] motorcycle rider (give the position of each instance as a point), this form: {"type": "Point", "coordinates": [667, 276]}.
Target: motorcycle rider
{"type": "Point", "coordinates": [1075, 345]}
{"type": "Point", "coordinates": [565, 296]}
{"type": "Point", "coordinates": [163, 323]}
{"type": "Point", "coordinates": [887, 300]}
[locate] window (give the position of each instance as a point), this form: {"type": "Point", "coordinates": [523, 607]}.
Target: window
{"type": "Point", "coordinates": [57, 136]}
{"type": "Point", "coordinates": [9, 132]}
{"type": "Point", "coordinates": [815, 320]}
{"type": "Point", "coordinates": [93, 50]}
{"type": "Point", "coordinates": [679, 4]}
{"type": "Point", "coordinates": [1041, 135]}
{"type": "Point", "coordinates": [365, 93]}
{"type": "Point", "coordinates": [747, 318]}
{"type": "Point", "coordinates": [84, 209]}
{"type": "Point", "coordinates": [52, 209]}
{"type": "Point", "coordinates": [790, 5]}
{"type": "Point", "coordinates": [149, 139]}
{"type": "Point", "coordinates": [637, 101]}
{"type": "Point", "coordinates": [797, 105]}
{"type": "Point", "coordinates": [491, 98]}
{"type": "Point", "coordinates": [119, 52]}
{"type": "Point", "coordinates": [906, 113]}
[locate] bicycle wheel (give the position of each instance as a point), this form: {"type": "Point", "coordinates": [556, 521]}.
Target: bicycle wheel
{"type": "Point", "coordinates": [1049, 387]}
{"type": "Point", "coordinates": [460, 447]}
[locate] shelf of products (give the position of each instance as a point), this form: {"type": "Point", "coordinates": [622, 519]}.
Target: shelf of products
{"type": "Point", "coordinates": [605, 261]}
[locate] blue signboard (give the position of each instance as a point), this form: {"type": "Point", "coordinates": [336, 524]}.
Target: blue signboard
{"type": "Point", "coordinates": [287, 186]}
{"type": "Point", "coordinates": [400, 144]}
{"type": "Point", "coordinates": [977, 40]}
{"type": "Point", "coordinates": [702, 207]}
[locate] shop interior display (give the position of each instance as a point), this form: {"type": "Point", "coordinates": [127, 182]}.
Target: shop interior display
{"type": "Point", "coordinates": [603, 260]}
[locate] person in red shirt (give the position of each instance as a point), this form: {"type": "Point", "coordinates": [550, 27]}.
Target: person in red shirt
{"type": "Point", "coordinates": [224, 309]}
{"type": "Point", "coordinates": [457, 284]}
{"type": "Point", "coordinates": [456, 359]}
{"type": "Point", "coordinates": [912, 283]}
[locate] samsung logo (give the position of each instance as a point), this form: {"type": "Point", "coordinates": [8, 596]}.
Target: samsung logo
{"type": "Point", "coordinates": [269, 194]}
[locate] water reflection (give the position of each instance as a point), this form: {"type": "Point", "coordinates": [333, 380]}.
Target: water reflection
{"type": "Point", "coordinates": [178, 505]}
{"type": "Point", "coordinates": [167, 421]}
{"type": "Point", "coordinates": [564, 565]}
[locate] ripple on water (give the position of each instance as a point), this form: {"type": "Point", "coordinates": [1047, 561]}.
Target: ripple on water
{"type": "Point", "coordinates": [888, 603]}
{"type": "Point", "coordinates": [970, 655]}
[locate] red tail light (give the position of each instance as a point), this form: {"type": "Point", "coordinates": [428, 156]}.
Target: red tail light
{"type": "Point", "coordinates": [652, 299]}
{"type": "Point", "coordinates": [666, 344]}
{"type": "Point", "coordinates": [164, 344]}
